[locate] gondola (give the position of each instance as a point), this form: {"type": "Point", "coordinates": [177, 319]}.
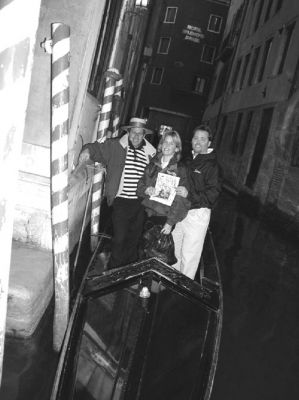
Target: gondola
{"type": "Point", "coordinates": [144, 331]}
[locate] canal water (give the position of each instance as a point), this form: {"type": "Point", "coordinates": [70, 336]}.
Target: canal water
{"type": "Point", "coordinates": [259, 351]}
{"type": "Point", "coordinates": [29, 365]}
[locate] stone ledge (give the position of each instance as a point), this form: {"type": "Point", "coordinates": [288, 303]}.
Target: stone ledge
{"type": "Point", "coordinates": [30, 288]}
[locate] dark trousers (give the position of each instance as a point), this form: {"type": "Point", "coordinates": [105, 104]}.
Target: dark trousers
{"type": "Point", "coordinates": [127, 223]}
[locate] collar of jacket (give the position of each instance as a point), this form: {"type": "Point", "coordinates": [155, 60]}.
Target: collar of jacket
{"type": "Point", "coordinates": [172, 162]}
{"type": "Point", "coordinates": [148, 148]}
{"type": "Point", "coordinates": [158, 158]}
{"type": "Point", "coordinates": [194, 155]}
{"type": "Point", "coordinates": [205, 156]}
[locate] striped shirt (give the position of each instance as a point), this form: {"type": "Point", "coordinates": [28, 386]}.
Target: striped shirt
{"type": "Point", "coordinates": [135, 164]}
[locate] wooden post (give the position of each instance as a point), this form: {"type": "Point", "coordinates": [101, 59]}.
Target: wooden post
{"type": "Point", "coordinates": [16, 59]}
{"type": "Point", "coordinates": [111, 76]}
{"type": "Point", "coordinates": [59, 177]}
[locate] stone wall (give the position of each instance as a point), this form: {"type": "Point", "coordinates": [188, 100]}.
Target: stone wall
{"type": "Point", "coordinates": [32, 220]}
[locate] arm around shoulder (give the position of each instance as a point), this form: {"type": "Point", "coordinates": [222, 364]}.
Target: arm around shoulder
{"type": "Point", "coordinates": [98, 152]}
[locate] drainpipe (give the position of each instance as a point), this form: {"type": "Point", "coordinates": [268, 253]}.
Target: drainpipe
{"type": "Point", "coordinates": [141, 80]}
{"type": "Point", "coordinates": [119, 27]}
{"type": "Point", "coordinates": [16, 60]}
{"type": "Point", "coordinates": [145, 57]}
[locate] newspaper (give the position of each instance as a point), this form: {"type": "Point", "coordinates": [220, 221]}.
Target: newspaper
{"type": "Point", "coordinates": [165, 188]}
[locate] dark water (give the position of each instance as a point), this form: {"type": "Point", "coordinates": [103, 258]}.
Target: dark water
{"type": "Point", "coordinates": [259, 352]}
{"type": "Point", "coordinates": [29, 365]}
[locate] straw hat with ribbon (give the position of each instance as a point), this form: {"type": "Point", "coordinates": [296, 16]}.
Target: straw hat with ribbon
{"type": "Point", "coordinates": [138, 123]}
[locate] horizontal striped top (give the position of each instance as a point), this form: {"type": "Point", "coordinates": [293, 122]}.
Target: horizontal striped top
{"type": "Point", "coordinates": [135, 164]}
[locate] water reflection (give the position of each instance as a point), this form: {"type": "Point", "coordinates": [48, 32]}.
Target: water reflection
{"type": "Point", "coordinates": [29, 365]}
{"type": "Point", "coordinates": [259, 353]}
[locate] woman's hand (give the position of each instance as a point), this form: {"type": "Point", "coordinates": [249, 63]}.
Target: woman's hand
{"type": "Point", "coordinates": [182, 191]}
{"type": "Point", "coordinates": [166, 229]}
{"type": "Point", "coordinates": [84, 156]}
{"type": "Point", "coordinates": [150, 191]}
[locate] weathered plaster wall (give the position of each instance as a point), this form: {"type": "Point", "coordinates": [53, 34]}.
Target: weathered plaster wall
{"type": "Point", "coordinates": [87, 128]}
{"type": "Point", "coordinates": [32, 216]}
{"type": "Point", "coordinates": [80, 16]}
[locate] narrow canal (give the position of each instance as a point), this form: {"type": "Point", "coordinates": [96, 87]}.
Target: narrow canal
{"type": "Point", "coordinates": [259, 351]}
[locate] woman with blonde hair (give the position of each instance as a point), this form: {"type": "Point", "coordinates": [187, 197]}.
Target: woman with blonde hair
{"type": "Point", "coordinates": [166, 161]}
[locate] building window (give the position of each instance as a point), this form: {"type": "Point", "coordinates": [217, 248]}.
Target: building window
{"type": "Point", "coordinates": [286, 44]}
{"type": "Point", "coordinates": [244, 71]}
{"type": "Point", "coordinates": [245, 133]}
{"type": "Point", "coordinates": [199, 84]}
{"type": "Point", "coordinates": [278, 5]}
{"type": "Point", "coordinates": [264, 59]}
{"type": "Point", "coordinates": [215, 23]}
{"type": "Point", "coordinates": [157, 76]}
{"type": "Point", "coordinates": [253, 64]}
{"type": "Point", "coordinates": [236, 74]}
{"type": "Point", "coordinates": [258, 16]}
{"type": "Point", "coordinates": [236, 133]}
{"type": "Point", "coordinates": [268, 10]}
{"type": "Point", "coordinates": [208, 54]}
{"type": "Point", "coordinates": [170, 15]}
{"type": "Point", "coordinates": [164, 45]}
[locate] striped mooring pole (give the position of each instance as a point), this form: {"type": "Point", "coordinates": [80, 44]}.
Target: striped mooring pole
{"type": "Point", "coordinates": [116, 107]}
{"type": "Point", "coordinates": [112, 75]}
{"type": "Point", "coordinates": [59, 177]}
{"type": "Point", "coordinates": [97, 186]}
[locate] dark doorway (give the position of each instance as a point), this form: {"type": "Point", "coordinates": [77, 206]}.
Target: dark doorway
{"type": "Point", "coordinates": [259, 147]}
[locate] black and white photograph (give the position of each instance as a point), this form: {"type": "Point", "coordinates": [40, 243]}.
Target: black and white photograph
{"type": "Point", "coordinates": [149, 199]}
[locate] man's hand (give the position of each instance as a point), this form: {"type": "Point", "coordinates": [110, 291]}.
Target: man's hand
{"type": "Point", "coordinates": [150, 191]}
{"type": "Point", "coordinates": [166, 229]}
{"type": "Point", "coordinates": [182, 191]}
{"type": "Point", "coordinates": [84, 156]}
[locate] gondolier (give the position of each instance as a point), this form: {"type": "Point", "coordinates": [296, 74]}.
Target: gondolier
{"type": "Point", "coordinates": [125, 159]}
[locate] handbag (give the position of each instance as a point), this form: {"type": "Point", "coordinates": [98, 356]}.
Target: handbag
{"type": "Point", "coordinates": [157, 244]}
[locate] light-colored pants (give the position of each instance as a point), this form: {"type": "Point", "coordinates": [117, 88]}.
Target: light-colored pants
{"type": "Point", "coordinates": [189, 236]}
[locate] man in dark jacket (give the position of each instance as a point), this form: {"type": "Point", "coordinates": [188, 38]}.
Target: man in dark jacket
{"type": "Point", "coordinates": [125, 159]}
{"type": "Point", "coordinates": [204, 188]}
